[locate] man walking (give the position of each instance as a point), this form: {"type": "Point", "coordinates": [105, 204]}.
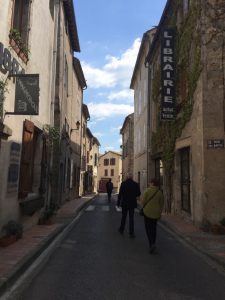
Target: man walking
{"type": "Point", "coordinates": [109, 188]}
{"type": "Point", "coordinates": [127, 199]}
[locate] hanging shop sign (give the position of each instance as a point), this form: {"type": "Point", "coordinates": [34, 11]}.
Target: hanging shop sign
{"type": "Point", "coordinates": [27, 94]}
{"type": "Point", "coordinates": [168, 100]}
{"type": "Point", "coordinates": [8, 63]}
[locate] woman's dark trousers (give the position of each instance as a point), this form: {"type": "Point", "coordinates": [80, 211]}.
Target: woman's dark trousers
{"type": "Point", "coordinates": [131, 220]}
{"type": "Point", "coordinates": [150, 227]}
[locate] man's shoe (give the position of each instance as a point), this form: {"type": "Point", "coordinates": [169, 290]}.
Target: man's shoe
{"type": "Point", "coordinates": [120, 231]}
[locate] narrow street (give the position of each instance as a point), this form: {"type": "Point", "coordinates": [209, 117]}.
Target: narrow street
{"type": "Point", "coordinates": [95, 262]}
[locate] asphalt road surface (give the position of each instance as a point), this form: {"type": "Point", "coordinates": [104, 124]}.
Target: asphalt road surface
{"type": "Point", "coordinates": [95, 262]}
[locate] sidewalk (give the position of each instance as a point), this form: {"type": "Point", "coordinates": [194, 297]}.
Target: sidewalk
{"type": "Point", "coordinates": [16, 258]}
{"type": "Point", "coordinates": [209, 244]}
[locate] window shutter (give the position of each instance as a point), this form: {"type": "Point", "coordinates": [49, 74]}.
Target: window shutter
{"type": "Point", "coordinates": [26, 165]}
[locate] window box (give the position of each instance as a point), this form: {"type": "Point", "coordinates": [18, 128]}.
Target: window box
{"type": "Point", "coordinates": [18, 46]}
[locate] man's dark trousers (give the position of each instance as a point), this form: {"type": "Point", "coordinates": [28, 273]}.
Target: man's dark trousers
{"type": "Point", "coordinates": [131, 220]}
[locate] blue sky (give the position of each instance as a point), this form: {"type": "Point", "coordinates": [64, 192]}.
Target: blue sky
{"type": "Point", "coordinates": [110, 32]}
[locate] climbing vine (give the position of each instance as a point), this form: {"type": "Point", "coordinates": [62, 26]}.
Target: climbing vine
{"type": "Point", "coordinates": [3, 90]}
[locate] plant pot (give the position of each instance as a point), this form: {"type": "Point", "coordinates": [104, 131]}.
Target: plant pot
{"type": "Point", "coordinates": [14, 46]}
{"type": "Point", "coordinates": [23, 56]}
{"type": "Point", "coordinates": [8, 240]}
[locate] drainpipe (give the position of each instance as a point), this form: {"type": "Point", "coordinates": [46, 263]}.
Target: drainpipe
{"type": "Point", "coordinates": [55, 43]}
{"type": "Point", "coordinates": [148, 121]}
{"type": "Point", "coordinates": [53, 91]}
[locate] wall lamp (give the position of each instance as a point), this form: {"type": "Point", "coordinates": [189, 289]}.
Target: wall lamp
{"type": "Point", "coordinates": [77, 127]}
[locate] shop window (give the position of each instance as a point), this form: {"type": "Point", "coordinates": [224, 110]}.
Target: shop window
{"type": "Point", "coordinates": [20, 18]}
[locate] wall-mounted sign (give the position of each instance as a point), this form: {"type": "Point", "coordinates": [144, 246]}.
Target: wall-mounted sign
{"type": "Point", "coordinates": [27, 94]}
{"type": "Point", "coordinates": [168, 100]}
{"type": "Point", "coordinates": [215, 144]}
{"type": "Point", "coordinates": [8, 63]}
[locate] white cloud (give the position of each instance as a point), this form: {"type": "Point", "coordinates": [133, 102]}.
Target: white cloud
{"type": "Point", "coordinates": [98, 134]}
{"type": "Point", "coordinates": [121, 95]}
{"type": "Point", "coordinates": [117, 70]}
{"type": "Point", "coordinates": [109, 148]}
{"type": "Point", "coordinates": [97, 78]}
{"type": "Point", "coordinates": [113, 129]}
{"type": "Point", "coordinates": [101, 111]}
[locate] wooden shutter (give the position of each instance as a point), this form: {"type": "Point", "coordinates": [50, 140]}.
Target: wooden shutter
{"type": "Point", "coordinates": [26, 165]}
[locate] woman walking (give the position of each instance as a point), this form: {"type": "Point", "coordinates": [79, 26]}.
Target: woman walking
{"type": "Point", "coordinates": [152, 207]}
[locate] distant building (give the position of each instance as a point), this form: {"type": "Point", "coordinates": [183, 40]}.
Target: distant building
{"type": "Point", "coordinates": [85, 145]}
{"type": "Point", "coordinates": [127, 132]}
{"type": "Point", "coordinates": [110, 166]}
{"type": "Point", "coordinates": [94, 156]}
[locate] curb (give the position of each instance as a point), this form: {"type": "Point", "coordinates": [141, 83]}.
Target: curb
{"type": "Point", "coordinates": [26, 261]}
{"type": "Point", "coordinates": [166, 226]}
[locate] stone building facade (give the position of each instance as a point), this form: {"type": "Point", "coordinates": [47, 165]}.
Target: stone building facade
{"type": "Point", "coordinates": [127, 132]}
{"type": "Point", "coordinates": [39, 154]}
{"type": "Point", "coordinates": [187, 127]}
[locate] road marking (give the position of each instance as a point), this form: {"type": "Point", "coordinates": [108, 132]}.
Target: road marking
{"type": "Point", "coordinates": [90, 208]}
{"type": "Point", "coordinates": [66, 246]}
{"type": "Point", "coordinates": [105, 208]}
{"type": "Point", "coordinates": [70, 241]}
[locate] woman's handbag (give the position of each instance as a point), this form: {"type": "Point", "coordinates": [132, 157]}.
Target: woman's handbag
{"type": "Point", "coordinates": [141, 211]}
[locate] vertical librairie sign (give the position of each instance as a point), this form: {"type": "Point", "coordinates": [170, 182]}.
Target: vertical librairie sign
{"type": "Point", "coordinates": [168, 93]}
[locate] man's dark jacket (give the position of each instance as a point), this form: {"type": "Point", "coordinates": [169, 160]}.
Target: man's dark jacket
{"type": "Point", "coordinates": [109, 187]}
{"type": "Point", "coordinates": [128, 193]}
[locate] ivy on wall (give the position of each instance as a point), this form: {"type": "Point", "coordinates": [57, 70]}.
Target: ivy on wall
{"type": "Point", "coordinates": [3, 90]}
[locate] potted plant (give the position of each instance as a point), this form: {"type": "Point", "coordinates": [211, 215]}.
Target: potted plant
{"type": "Point", "coordinates": [17, 44]}
{"type": "Point", "coordinates": [15, 40]}
{"type": "Point", "coordinates": [12, 231]}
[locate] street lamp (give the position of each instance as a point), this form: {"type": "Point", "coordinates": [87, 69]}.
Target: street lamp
{"type": "Point", "coordinates": [77, 127]}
